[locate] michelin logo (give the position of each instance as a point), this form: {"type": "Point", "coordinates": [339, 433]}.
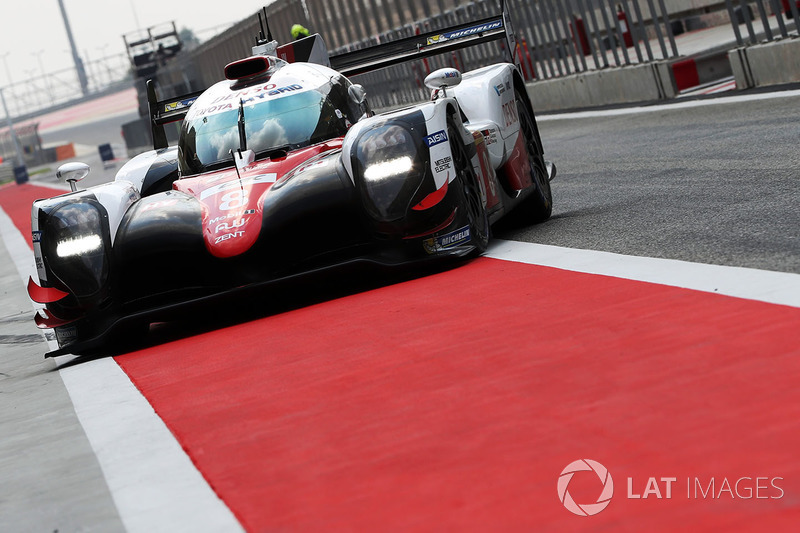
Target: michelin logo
{"type": "Point", "coordinates": [436, 138]}
{"type": "Point", "coordinates": [445, 242]}
{"type": "Point", "coordinates": [174, 106]}
{"type": "Point", "coordinates": [466, 32]}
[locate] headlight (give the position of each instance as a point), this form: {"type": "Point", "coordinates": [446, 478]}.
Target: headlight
{"type": "Point", "coordinates": [386, 156]}
{"type": "Point", "coordinates": [388, 169]}
{"type": "Point", "coordinates": [76, 243]}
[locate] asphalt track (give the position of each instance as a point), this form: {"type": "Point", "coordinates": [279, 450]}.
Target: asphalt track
{"type": "Point", "coordinates": [454, 400]}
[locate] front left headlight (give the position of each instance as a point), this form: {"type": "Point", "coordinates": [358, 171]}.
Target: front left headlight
{"type": "Point", "coordinates": [390, 170]}
{"type": "Point", "coordinates": [76, 244]}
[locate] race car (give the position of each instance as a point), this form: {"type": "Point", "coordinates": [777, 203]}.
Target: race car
{"type": "Point", "coordinates": [282, 170]}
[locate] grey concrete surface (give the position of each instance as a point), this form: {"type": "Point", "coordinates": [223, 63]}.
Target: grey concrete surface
{"type": "Point", "coordinates": [713, 184]}
{"type": "Point", "coordinates": [50, 479]}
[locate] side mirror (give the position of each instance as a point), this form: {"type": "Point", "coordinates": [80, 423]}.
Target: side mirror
{"type": "Point", "coordinates": [442, 79]}
{"type": "Point", "coordinates": [357, 94]}
{"type": "Point", "coordinates": [72, 173]}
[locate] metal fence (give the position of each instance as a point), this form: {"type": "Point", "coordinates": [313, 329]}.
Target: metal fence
{"type": "Point", "coordinates": [556, 38]}
{"type": "Point", "coordinates": [783, 11]}
{"type": "Point", "coordinates": [44, 91]}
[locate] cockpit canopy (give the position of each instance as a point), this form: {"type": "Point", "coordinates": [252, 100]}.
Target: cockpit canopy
{"type": "Point", "coordinates": [299, 105]}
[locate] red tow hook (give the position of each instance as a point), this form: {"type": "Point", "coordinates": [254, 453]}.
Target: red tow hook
{"type": "Point", "coordinates": [44, 295]}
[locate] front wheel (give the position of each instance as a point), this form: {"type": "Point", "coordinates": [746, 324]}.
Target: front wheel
{"type": "Point", "coordinates": [539, 205]}
{"type": "Point", "coordinates": [473, 198]}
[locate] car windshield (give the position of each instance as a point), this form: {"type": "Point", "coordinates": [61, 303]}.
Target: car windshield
{"type": "Point", "coordinates": [287, 122]}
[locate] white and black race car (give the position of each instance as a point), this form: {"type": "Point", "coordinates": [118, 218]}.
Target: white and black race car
{"type": "Point", "coordinates": [282, 170]}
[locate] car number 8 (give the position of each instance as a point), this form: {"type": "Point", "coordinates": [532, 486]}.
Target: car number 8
{"type": "Point", "coordinates": [232, 200]}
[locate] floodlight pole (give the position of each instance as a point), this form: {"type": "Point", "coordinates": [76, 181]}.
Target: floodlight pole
{"type": "Point", "coordinates": [75, 57]}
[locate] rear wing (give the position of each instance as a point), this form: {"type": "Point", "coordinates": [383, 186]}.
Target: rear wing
{"type": "Point", "coordinates": [165, 111]}
{"type": "Point", "coordinates": [429, 44]}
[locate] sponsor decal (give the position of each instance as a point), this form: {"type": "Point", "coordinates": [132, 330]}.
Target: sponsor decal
{"type": "Point", "coordinates": [489, 136]}
{"type": "Point", "coordinates": [159, 204]}
{"type": "Point", "coordinates": [238, 184]}
{"type": "Point", "coordinates": [181, 104]}
{"type": "Point", "coordinates": [499, 89]}
{"type": "Point", "coordinates": [227, 236]}
{"type": "Point", "coordinates": [510, 113]}
{"type": "Point", "coordinates": [37, 236]}
{"type": "Point", "coordinates": [466, 32]}
{"type": "Point", "coordinates": [247, 94]}
{"type": "Point", "coordinates": [287, 89]}
{"type": "Point", "coordinates": [224, 103]}
{"type": "Point", "coordinates": [233, 200]}
{"type": "Point", "coordinates": [440, 165]}
{"type": "Point", "coordinates": [221, 218]}
{"type": "Point", "coordinates": [225, 226]}
{"type": "Point", "coordinates": [213, 109]}
{"type": "Point", "coordinates": [307, 166]}
{"type": "Point", "coordinates": [445, 242]}
{"type": "Point", "coordinates": [436, 138]}
{"type": "Point", "coordinates": [39, 262]}
{"type": "Point", "coordinates": [451, 74]}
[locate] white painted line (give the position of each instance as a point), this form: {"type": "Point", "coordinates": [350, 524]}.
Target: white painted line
{"type": "Point", "coordinates": [668, 107]}
{"type": "Point", "coordinates": [153, 482]}
{"type": "Point", "coordinates": [729, 86]}
{"type": "Point", "coordinates": [763, 285]}
{"type": "Point", "coordinates": [18, 248]}
{"type": "Point", "coordinates": [155, 485]}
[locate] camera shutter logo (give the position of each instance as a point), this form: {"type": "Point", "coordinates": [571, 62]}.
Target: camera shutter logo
{"type": "Point", "coordinates": [585, 509]}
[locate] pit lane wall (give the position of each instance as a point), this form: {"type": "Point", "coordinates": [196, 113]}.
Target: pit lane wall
{"type": "Point", "coordinates": [772, 63]}
{"type": "Point", "coordinates": [631, 84]}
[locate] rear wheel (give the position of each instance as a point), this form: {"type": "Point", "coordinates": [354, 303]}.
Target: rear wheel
{"type": "Point", "coordinates": [539, 205]}
{"type": "Point", "coordinates": [474, 199]}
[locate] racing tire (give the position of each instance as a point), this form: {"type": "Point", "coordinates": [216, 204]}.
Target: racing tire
{"type": "Point", "coordinates": [539, 205]}
{"type": "Point", "coordinates": [474, 203]}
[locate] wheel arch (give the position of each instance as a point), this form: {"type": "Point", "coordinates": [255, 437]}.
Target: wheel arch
{"type": "Point", "coordinates": [519, 85]}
